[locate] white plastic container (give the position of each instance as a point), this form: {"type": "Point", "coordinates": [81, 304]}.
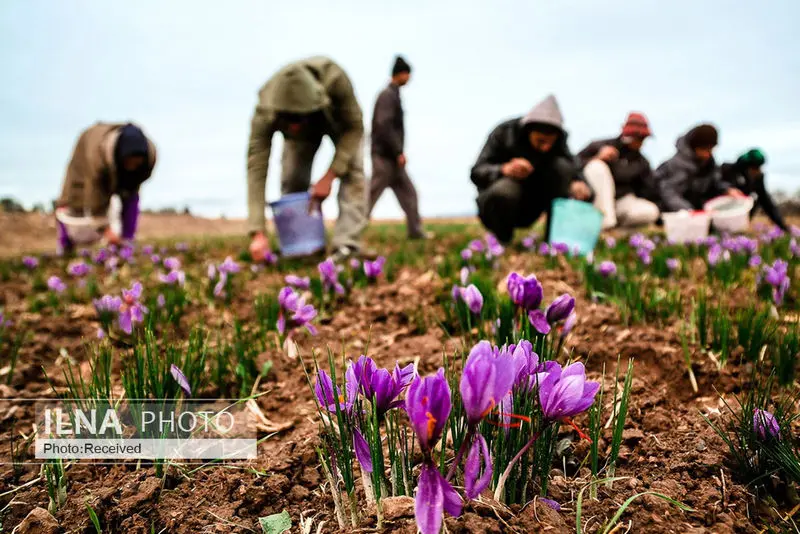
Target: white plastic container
{"type": "Point", "coordinates": [82, 230]}
{"type": "Point", "coordinates": [730, 214]}
{"type": "Point", "coordinates": [686, 226]}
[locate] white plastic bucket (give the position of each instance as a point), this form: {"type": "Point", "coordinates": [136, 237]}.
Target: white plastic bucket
{"type": "Point", "coordinates": [82, 230]}
{"type": "Point", "coordinates": [300, 233]}
{"type": "Point", "coordinates": [730, 214]}
{"type": "Point", "coordinates": [686, 226]}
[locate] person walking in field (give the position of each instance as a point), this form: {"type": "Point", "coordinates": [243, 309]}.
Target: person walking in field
{"type": "Point", "coordinates": [305, 101]}
{"type": "Point", "coordinates": [388, 154]}
{"type": "Point", "coordinates": [109, 159]}
{"type": "Point", "coordinates": [620, 175]}
{"type": "Point", "coordinates": [525, 165]}
{"type": "Point", "coordinates": [745, 174]}
{"type": "Point", "coordinates": [691, 177]}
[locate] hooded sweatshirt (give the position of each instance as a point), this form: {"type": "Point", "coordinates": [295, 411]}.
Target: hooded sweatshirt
{"type": "Point", "coordinates": [509, 140]}
{"type": "Point", "coordinates": [308, 86]}
{"type": "Point", "coordinates": [95, 171]}
{"type": "Point", "coordinates": [684, 183]}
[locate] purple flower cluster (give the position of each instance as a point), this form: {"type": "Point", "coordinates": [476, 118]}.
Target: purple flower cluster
{"type": "Point", "coordinates": [30, 262]}
{"type": "Point", "coordinates": [175, 276]}
{"type": "Point", "coordinates": [607, 269]}
{"type": "Point", "coordinates": [294, 313]}
{"type": "Point", "coordinates": [131, 310]}
{"type": "Point", "coordinates": [221, 274]}
{"type": "Point", "coordinates": [329, 274]}
{"type": "Point", "coordinates": [373, 269]}
{"type": "Point", "coordinates": [777, 276]}
{"type": "Point", "coordinates": [298, 282]}
{"type": "Point", "coordinates": [55, 284]}
{"type": "Point", "coordinates": [471, 296]}
{"type": "Point", "coordinates": [490, 247]}
{"type": "Point", "coordinates": [78, 269]}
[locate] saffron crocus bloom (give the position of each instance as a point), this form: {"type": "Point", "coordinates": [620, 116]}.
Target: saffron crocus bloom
{"type": "Point", "coordinates": [715, 254]}
{"type": "Point", "coordinates": [172, 263]}
{"type": "Point", "coordinates": [299, 313]}
{"type": "Point", "coordinates": [147, 250]}
{"type": "Point", "coordinates": [172, 278]}
{"type": "Point", "coordinates": [55, 283]}
{"type": "Point", "coordinates": [529, 242]}
{"type": "Point", "coordinates": [229, 266]}
{"type": "Point", "coordinates": [131, 311]}
{"type": "Point", "coordinates": [486, 379]}
{"type": "Point", "coordinates": [560, 308]}
{"type": "Point", "coordinates": [672, 264]}
{"type": "Point", "coordinates": [755, 261]}
{"type": "Point", "coordinates": [354, 263]}
{"type": "Point", "coordinates": [78, 269]}
{"type": "Point", "coordinates": [471, 295]}
{"type": "Point", "coordinates": [565, 392]}
{"type": "Point", "coordinates": [428, 406]}
{"type": "Point", "coordinates": [526, 362]}
{"type": "Point", "coordinates": [211, 272]}
{"type": "Point", "coordinates": [560, 248]}
{"type": "Point", "coordinates": [539, 321]}
{"type": "Point", "coordinates": [478, 454]}
{"type": "Point", "coordinates": [525, 292]}
{"type": "Point", "coordinates": [330, 396]}
{"type": "Point", "coordinates": [544, 249]}
{"type": "Point", "coordinates": [777, 275]}
{"type": "Point", "coordinates": [476, 245]}
{"type": "Point", "coordinates": [107, 304]}
{"type": "Point", "coordinates": [361, 447]}
{"type": "Point", "coordinates": [386, 387]}
{"type": "Point", "coordinates": [219, 287]}
{"type": "Point", "coordinates": [607, 269]}
{"type": "Point", "coordinates": [30, 262]}
{"type": "Point", "coordinates": [765, 425]}
{"type": "Point", "coordinates": [464, 275]}
{"type": "Point", "coordinates": [611, 242]}
{"type": "Point", "coordinates": [794, 248]}
{"type": "Point", "coordinates": [373, 269]}
{"type": "Point", "coordinates": [155, 258]}
{"type": "Point", "coordinates": [644, 256]}
{"type": "Point", "coordinates": [298, 282]}
{"type": "Point", "coordinates": [466, 254]}
{"type": "Point", "coordinates": [329, 274]}
{"type": "Point", "coordinates": [180, 378]}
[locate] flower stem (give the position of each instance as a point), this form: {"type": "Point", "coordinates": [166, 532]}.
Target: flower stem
{"type": "Point", "coordinates": [460, 453]}
{"type": "Point", "coordinates": [502, 481]}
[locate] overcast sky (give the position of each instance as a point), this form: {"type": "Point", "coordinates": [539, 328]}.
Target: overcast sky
{"type": "Point", "coordinates": [188, 71]}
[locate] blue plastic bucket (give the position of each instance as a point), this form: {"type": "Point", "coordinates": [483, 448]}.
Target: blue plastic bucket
{"type": "Point", "coordinates": [576, 224]}
{"type": "Point", "coordinates": [300, 233]}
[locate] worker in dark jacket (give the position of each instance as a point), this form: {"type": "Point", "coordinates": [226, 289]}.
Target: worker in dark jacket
{"type": "Point", "coordinates": [388, 154]}
{"type": "Point", "coordinates": [523, 167]}
{"type": "Point", "coordinates": [746, 175]}
{"type": "Point", "coordinates": [691, 177]}
{"type": "Point", "coordinates": [621, 176]}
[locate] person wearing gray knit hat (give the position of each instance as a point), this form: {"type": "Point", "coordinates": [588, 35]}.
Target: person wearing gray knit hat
{"type": "Point", "coordinates": [388, 152]}
{"type": "Point", "coordinates": [525, 165]}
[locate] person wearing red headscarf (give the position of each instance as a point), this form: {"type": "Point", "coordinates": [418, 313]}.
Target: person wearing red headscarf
{"type": "Point", "coordinates": [621, 176]}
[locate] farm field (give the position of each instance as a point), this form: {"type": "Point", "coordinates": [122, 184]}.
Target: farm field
{"type": "Point", "coordinates": [621, 394]}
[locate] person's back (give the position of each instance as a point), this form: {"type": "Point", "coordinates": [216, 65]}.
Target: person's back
{"type": "Point", "coordinates": [746, 175]}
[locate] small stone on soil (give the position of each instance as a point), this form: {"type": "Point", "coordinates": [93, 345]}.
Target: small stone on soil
{"type": "Point", "coordinates": [38, 521]}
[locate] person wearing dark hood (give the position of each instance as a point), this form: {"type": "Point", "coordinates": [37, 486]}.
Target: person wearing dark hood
{"type": "Point", "coordinates": [108, 159]}
{"type": "Point", "coordinates": [620, 175]}
{"type": "Point", "coordinates": [388, 154]}
{"type": "Point", "coordinates": [525, 165]}
{"type": "Point", "coordinates": [305, 101]}
{"type": "Point", "coordinates": [745, 174]}
{"type": "Point", "coordinates": [691, 177]}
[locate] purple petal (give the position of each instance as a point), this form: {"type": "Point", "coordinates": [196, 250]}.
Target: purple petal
{"type": "Point", "coordinates": [474, 486]}
{"type": "Point", "coordinates": [538, 319]}
{"type": "Point", "coordinates": [180, 378]}
{"type": "Point", "coordinates": [363, 454]}
{"type": "Point", "coordinates": [429, 502]}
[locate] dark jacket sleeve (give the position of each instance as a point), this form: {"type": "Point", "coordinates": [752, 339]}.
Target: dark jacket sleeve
{"type": "Point", "coordinates": [768, 205]}
{"type": "Point", "coordinates": [719, 184]}
{"type": "Point", "coordinates": [671, 184]}
{"type": "Point", "coordinates": [384, 120]}
{"type": "Point", "coordinates": [590, 151]}
{"type": "Point", "coordinates": [487, 168]}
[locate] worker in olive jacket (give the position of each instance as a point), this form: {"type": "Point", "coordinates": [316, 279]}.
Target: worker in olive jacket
{"type": "Point", "coordinates": [108, 159]}
{"type": "Point", "coordinates": [305, 101]}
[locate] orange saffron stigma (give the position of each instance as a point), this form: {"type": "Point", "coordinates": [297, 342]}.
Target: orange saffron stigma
{"type": "Point", "coordinates": [578, 430]}
{"type": "Point", "coordinates": [431, 424]}
{"type": "Point", "coordinates": [523, 418]}
{"type": "Point", "coordinates": [492, 404]}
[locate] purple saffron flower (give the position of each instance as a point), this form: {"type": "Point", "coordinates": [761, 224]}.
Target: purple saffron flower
{"type": "Point", "coordinates": [172, 278]}
{"type": "Point", "coordinates": [172, 263]}
{"type": "Point", "coordinates": [550, 502]}
{"type": "Point", "coordinates": [714, 254]}
{"type": "Point", "coordinates": [294, 312]}
{"type": "Point", "coordinates": [538, 320]}
{"type": "Point", "coordinates": [644, 256]}
{"type": "Point", "coordinates": [126, 252]}
{"type": "Point", "coordinates": [55, 283]}
{"type": "Point", "coordinates": [180, 378]}
{"type": "Point", "coordinates": [493, 247]}
{"type": "Point", "coordinates": [386, 387]}
{"type": "Point", "coordinates": [155, 258]}
{"type": "Point", "coordinates": [298, 282]}
{"type": "Point", "coordinates": [476, 245]}
{"type": "Point", "coordinates": [229, 266]}
{"type": "Point", "coordinates": [794, 248]}
{"type": "Point", "coordinates": [30, 262]}
{"type": "Point", "coordinates": [78, 269]}
{"type": "Point", "coordinates": [354, 263]}
{"type": "Point", "coordinates": [363, 455]}
{"type": "Point", "coordinates": [527, 293]}
{"type": "Point", "coordinates": [101, 334]}
{"type": "Point", "coordinates": [329, 274]}
{"type": "Point", "coordinates": [373, 269]}
{"type": "Point", "coordinates": [526, 361]}
{"type": "Point", "coordinates": [474, 485]}
{"type": "Point", "coordinates": [428, 406]}
{"type": "Point", "coordinates": [434, 496]}
{"type": "Point", "coordinates": [611, 242]}
{"type": "Point", "coordinates": [544, 249]}
{"type": "Point", "coordinates": [131, 311]}
{"type": "Point", "coordinates": [561, 248]}
{"type": "Point", "coordinates": [777, 275]}
{"type": "Point", "coordinates": [107, 304]}
{"type": "Point", "coordinates": [673, 264]}
{"type": "Point", "coordinates": [529, 242]}
{"type": "Point", "coordinates": [486, 379]}
{"type": "Point", "coordinates": [147, 250]}
{"type": "Point", "coordinates": [473, 298]}
{"type": "Point", "coordinates": [219, 287]}
{"type": "Point", "coordinates": [466, 254]}
{"type": "Point", "coordinates": [755, 261]}
{"type": "Point", "coordinates": [464, 275]}
{"type": "Point", "coordinates": [636, 240]}
{"type": "Point", "coordinates": [560, 308]}
{"type": "Point", "coordinates": [565, 392]}
{"type": "Point", "coordinates": [607, 269]}
{"type": "Point", "coordinates": [112, 263]}
{"type": "Point", "coordinates": [211, 272]}
{"type": "Point", "coordinates": [329, 396]}
{"type": "Point", "coordinates": [765, 425]}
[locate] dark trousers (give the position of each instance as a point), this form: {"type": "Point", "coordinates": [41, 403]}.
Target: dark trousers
{"type": "Point", "coordinates": [509, 203]}
{"type": "Point", "coordinates": [387, 173]}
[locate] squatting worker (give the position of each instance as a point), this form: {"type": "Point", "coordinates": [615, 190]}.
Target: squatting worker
{"type": "Point", "coordinates": [304, 101]}
{"type": "Point", "coordinates": [388, 153]}
{"type": "Point", "coordinates": [747, 175]}
{"type": "Point", "coordinates": [108, 159]}
{"type": "Point", "coordinates": [523, 167]}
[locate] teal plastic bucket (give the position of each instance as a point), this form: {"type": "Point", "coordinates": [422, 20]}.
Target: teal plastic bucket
{"type": "Point", "coordinates": [300, 233]}
{"type": "Point", "coordinates": [576, 224]}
